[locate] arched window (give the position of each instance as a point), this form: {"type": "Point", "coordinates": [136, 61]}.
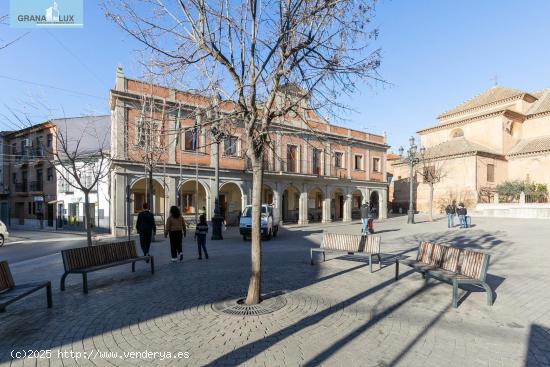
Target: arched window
{"type": "Point", "coordinates": [457, 133]}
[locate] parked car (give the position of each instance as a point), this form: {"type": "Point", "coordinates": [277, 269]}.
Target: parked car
{"type": "Point", "coordinates": [4, 234]}
{"type": "Point", "coordinates": [269, 222]}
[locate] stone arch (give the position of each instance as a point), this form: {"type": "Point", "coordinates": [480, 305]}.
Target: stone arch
{"type": "Point", "coordinates": [356, 202]}
{"type": "Point", "coordinates": [337, 199]}
{"type": "Point", "coordinates": [191, 202]}
{"type": "Point", "coordinates": [315, 204]}
{"type": "Point", "coordinates": [231, 202]}
{"type": "Point", "coordinates": [375, 202]}
{"type": "Point", "coordinates": [268, 194]}
{"type": "Point", "coordinates": [291, 204]}
{"type": "Point", "coordinates": [139, 191]}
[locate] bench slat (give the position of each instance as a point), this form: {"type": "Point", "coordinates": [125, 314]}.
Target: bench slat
{"type": "Point", "coordinates": [351, 243]}
{"type": "Point", "coordinates": [473, 263]}
{"type": "Point", "coordinates": [451, 259]}
{"type": "Point", "coordinates": [89, 257]}
{"type": "Point", "coordinates": [424, 251]}
{"type": "Point", "coordinates": [437, 255]}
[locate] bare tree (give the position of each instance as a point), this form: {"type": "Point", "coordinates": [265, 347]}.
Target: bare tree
{"type": "Point", "coordinates": [82, 161]}
{"type": "Point", "coordinates": [5, 44]}
{"type": "Point", "coordinates": [432, 172]}
{"type": "Point", "coordinates": [264, 59]}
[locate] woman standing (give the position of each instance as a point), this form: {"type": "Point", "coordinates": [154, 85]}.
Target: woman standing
{"type": "Point", "coordinates": [176, 228]}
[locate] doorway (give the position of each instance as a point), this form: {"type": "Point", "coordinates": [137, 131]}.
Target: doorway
{"type": "Point", "coordinates": [50, 215]}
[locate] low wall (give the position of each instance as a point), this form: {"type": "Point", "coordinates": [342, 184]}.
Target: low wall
{"type": "Point", "coordinates": [534, 210]}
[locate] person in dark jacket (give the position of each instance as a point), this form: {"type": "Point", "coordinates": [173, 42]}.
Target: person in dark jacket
{"type": "Point", "coordinates": [365, 212]}
{"type": "Point", "coordinates": [200, 235]}
{"type": "Point", "coordinates": [462, 212]}
{"type": "Point", "coordinates": [451, 211]}
{"type": "Point", "coordinates": [145, 226]}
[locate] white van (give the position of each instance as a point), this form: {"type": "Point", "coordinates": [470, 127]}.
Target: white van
{"type": "Point", "coordinates": [269, 222]}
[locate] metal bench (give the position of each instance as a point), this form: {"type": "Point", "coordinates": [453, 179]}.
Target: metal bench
{"type": "Point", "coordinates": [84, 260]}
{"type": "Point", "coordinates": [351, 244]}
{"type": "Point", "coordinates": [10, 292]}
{"type": "Point", "coordinates": [450, 264]}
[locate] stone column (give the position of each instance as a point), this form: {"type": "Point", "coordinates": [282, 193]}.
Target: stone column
{"type": "Point", "coordinates": [277, 203]}
{"type": "Point", "coordinates": [347, 208]}
{"type": "Point", "coordinates": [302, 211]}
{"type": "Point", "coordinates": [382, 204]}
{"type": "Point", "coordinates": [326, 210]}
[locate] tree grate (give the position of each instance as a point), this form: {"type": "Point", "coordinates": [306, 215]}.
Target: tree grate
{"type": "Point", "coordinates": [271, 302]}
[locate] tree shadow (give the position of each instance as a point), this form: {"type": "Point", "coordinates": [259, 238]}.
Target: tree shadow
{"type": "Point", "coordinates": [538, 347]}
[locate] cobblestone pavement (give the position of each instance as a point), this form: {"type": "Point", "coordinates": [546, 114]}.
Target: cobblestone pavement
{"type": "Point", "coordinates": [337, 313]}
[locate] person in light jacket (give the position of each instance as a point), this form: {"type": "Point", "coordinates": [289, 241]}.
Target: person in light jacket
{"type": "Point", "coordinates": [176, 229]}
{"type": "Point", "coordinates": [365, 212]}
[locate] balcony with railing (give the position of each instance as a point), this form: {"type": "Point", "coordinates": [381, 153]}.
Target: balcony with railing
{"type": "Point", "coordinates": [21, 186]}
{"type": "Point", "coordinates": [300, 167]}
{"type": "Point", "coordinates": [36, 186]}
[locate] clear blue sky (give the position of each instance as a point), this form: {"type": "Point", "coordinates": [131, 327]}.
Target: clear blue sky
{"type": "Point", "coordinates": [436, 54]}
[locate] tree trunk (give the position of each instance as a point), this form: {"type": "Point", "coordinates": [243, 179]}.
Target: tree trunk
{"type": "Point", "coordinates": [431, 201]}
{"type": "Point", "coordinates": [87, 218]}
{"type": "Point", "coordinates": [150, 189]}
{"type": "Point", "coordinates": [254, 287]}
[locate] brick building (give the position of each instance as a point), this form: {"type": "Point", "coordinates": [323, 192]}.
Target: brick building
{"type": "Point", "coordinates": [315, 172]}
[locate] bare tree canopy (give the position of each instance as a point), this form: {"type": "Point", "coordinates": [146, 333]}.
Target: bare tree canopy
{"type": "Point", "coordinates": [3, 43]}
{"type": "Point", "coordinates": [260, 60]}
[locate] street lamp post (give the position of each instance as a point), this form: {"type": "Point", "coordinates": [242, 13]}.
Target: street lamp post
{"type": "Point", "coordinates": [411, 159]}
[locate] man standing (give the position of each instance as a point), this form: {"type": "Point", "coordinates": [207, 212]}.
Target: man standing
{"type": "Point", "coordinates": [146, 226]}
{"type": "Point", "coordinates": [450, 210]}
{"type": "Point", "coordinates": [462, 215]}
{"type": "Point", "coordinates": [364, 217]}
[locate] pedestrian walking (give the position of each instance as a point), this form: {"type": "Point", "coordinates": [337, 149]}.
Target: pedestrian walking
{"type": "Point", "coordinates": [176, 229]}
{"type": "Point", "coordinates": [145, 227]}
{"type": "Point", "coordinates": [200, 236]}
{"type": "Point", "coordinates": [451, 211]}
{"type": "Point", "coordinates": [364, 217]}
{"type": "Point", "coordinates": [462, 212]}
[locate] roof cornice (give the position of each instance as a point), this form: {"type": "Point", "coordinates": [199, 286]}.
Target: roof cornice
{"type": "Point", "coordinates": [500, 101]}
{"type": "Point", "coordinates": [504, 112]}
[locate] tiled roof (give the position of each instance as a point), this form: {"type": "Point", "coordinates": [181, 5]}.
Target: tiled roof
{"type": "Point", "coordinates": [456, 146]}
{"type": "Point", "coordinates": [542, 104]}
{"type": "Point", "coordinates": [491, 95]}
{"type": "Point", "coordinates": [532, 145]}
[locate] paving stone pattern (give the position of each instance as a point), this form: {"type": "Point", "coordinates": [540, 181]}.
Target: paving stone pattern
{"type": "Point", "coordinates": [336, 313]}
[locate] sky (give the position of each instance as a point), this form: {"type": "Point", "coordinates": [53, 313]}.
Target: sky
{"type": "Point", "coordinates": [435, 55]}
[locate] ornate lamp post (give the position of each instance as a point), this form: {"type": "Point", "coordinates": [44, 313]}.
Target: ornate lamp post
{"type": "Point", "coordinates": [411, 159]}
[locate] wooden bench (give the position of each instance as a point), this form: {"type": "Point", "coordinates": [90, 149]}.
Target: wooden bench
{"type": "Point", "coordinates": [351, 244]}
{"type": "Point", "coordinates": [9, 292]}
{"type": "Point", "coordinates": [450, 264]}
{"type": "Point", "coordinates": [84, 260]}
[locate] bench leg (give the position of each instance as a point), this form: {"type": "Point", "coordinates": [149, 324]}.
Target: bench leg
{"type": "Point", "coordinates": [85, 282]}
{"type": "Point", "coordinates": [379, 261]}
{"type": "Point", "coordinates": [63, 277]}
{"type": "Point", "coordinates": [396, 269]}
{"type": "Point", "coordinates": [324, 258]}
{"type": "Point", "coordinates": [311, 256]}
{"type": "Point", "coordinates": [134, 267]}
{"type": "Point", "coordinates": [370, 263]}
{"type": "Point", "coordinates": [49, 294]}
{"type": "Point", "coordinates": [455, 294]}
{"type": "Point", "coordinates": [152, 265]}
{"type": "Point", "coordinates": [426, 277]}
{"type": "Point", "coordinates": [489, 292]}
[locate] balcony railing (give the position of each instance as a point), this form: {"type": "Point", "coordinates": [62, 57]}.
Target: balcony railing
{"type": "Point", "coordinates": [36, 186]}
{"type": "Point", "coordinates": [21, 187]}
{"type": "Point", "coordinates": [302, 167]}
